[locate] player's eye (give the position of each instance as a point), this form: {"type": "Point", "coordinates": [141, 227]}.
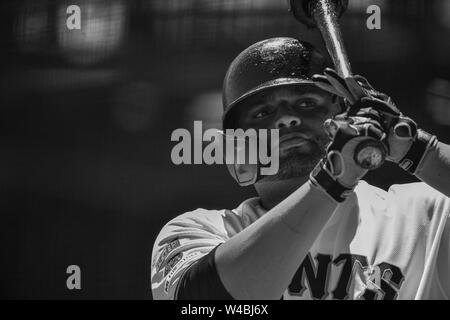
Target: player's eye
{"type": "Point", "coordinates": [262, 113]}
{"type": "Point", "coordinates": [306, 104]}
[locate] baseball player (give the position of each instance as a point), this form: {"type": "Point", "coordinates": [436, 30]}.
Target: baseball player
{"type": "Point", "coordinates": [316, 229]}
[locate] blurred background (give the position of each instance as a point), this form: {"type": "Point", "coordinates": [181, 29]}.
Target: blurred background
{"type": "Point", "coordinates": [86, 116]}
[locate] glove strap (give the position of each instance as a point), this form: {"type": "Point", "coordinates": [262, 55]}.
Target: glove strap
{"type": "Point", "coordinates": [415, 154]}
{"type": "Point", "coordinates": [321, 178]}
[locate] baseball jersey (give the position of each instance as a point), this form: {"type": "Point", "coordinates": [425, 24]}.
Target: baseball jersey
{"type": "Point", "coordinates": [377, 244]}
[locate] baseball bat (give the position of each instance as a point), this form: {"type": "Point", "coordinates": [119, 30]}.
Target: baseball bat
{"type": "Point", "coordinates": [323, 14]}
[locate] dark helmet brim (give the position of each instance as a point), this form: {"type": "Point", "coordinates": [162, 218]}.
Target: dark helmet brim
{"type": "Point", "coordinates": [234, 106]}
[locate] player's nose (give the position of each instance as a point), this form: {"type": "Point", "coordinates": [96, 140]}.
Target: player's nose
{"type": "Point", "coordinates": [287, 120]}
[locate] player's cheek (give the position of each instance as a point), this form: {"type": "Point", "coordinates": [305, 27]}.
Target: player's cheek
{"type": "Point", "coordinates": [314, 123]}
{"type": "Point", "coordinates": [263, 123]}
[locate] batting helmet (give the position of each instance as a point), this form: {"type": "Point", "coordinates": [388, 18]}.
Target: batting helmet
{"type": "Point", "coordinates": [269, 63]}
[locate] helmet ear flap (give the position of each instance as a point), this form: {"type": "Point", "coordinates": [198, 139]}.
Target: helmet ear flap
{"type": "Point", "coordinates": [244, 174]}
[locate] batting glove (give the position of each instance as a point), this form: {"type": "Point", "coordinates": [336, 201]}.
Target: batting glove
{"type": "Point", "coordinates": [406, 144]}
{"type": "Point", "coordinates": [337, 174]}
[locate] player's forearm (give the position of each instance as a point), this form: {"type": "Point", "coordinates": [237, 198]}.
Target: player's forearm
{"type": "Point", "coordinates": [260, 261]}
{"type": "Point", "coordinates": [435, 168]}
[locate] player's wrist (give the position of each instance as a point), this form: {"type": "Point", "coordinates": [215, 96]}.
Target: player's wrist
{"type": "Point", "coordinates": [421, 145]}
{"type": "Point", "coordinates": [321, 178]}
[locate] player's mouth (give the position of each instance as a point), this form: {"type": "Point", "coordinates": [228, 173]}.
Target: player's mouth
{"type": "Point", "coordinates": [295, 140]}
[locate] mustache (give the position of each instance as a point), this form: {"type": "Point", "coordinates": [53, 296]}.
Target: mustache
{"type": "Point", "coordinates": [304, 135]}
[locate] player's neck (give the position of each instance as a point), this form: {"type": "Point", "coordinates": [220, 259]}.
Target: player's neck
{"type": "Point", "coordinates": [273, 192]}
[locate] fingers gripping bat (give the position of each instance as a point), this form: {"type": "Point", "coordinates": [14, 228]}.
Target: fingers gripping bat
{"type": "Point", "coordinates": [323, 14]}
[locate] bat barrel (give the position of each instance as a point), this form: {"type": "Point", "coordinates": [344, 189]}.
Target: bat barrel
{"type": "Point", "coordinates": [325, 14]}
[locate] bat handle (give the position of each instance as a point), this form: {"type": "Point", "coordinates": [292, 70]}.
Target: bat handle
{"type": "Point", "coordinates": [369, 154]}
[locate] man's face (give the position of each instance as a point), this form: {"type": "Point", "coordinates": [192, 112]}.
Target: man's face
{"type": "Point", "coordinates": [299, 113]}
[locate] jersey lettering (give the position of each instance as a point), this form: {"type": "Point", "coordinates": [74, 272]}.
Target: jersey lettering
{"type": "Point", "coordinates": [382, 281]}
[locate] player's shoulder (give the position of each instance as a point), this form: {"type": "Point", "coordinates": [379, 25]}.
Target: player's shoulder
{"type": "Point", "coordinates": [219, 222]}
{"type": "Point", "coordinates": [199, 216]}
{"type": "Point", "coordinates": [415, 191]}
{"type": "Point", "coordinates": [409, 200]}
{"type": "Point", "coordinates": [365, 191]}
{"type": "Point", "coordinates": [193, 224]}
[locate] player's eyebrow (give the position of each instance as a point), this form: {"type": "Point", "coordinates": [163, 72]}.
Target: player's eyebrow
{"type": "Point", "coordinates": [296, 93]}
{"type": "Point", "coordinates": [273, 95]}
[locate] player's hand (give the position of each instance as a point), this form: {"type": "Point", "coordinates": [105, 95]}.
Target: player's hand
{"type": "Point", "coordinates": [346, 133]}
{"type": "Point", "coordinates": [364, 101]}
{"type": "Point", "coordinates": [401, 131]}
{"type": "Point", "coordinates": [338, 174]}
{"type": "Point", "coordinates": [352, 89]}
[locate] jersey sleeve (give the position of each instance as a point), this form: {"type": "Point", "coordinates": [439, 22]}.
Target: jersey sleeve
{"type": "Point", "coordinates": [181, 242]}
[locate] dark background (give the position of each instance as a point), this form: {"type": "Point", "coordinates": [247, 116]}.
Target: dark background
{"type": "Point", "coordinates": [86, 116]}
